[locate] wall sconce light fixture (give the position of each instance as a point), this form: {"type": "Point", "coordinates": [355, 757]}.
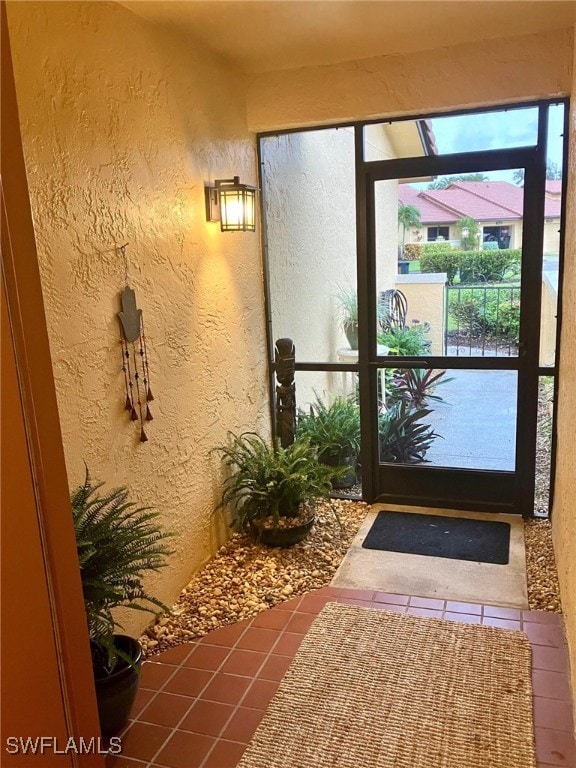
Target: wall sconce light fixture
{"type": "Point", "coordinates": [232, 204]}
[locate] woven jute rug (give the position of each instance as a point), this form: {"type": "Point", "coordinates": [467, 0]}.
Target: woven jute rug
{"type": "Point", "coordinates": [373, 689]}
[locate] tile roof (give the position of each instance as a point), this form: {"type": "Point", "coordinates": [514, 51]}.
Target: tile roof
{"type": "Point", "coordinates": [482, 200]}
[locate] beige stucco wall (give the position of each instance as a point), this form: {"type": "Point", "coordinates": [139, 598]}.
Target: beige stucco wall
{"type": "Point", "coordinates": [564, 508]}
{"type": "Point", "coordinates": [122, 124]}
{"type": "Point", "coordinates": [552, 236]}
{"type": "Point", "coordinates": [425, 296]}
{"type": "Point", "coordinates": [548, 323]}
{"type": "Point", "coordinates": [504, 70]}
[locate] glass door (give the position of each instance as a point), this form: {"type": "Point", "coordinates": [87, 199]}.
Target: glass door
{"type": "Point", "coordinates": [451, 346]}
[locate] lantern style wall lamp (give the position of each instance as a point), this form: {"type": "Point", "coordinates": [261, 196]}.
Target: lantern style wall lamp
{"type": "Point", "coordinates": [232, 204]}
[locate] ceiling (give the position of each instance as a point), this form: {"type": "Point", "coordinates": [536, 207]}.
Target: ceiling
{"type": "Point", "coordinates": [263, 35]}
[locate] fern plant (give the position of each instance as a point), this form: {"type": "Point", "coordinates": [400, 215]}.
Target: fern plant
{"type": "Point", "coordinates": [268, 480]}
{"type": "Point", "coordinates": [332, 427]}
{"type": "Point", "coordinates": [118, 542]}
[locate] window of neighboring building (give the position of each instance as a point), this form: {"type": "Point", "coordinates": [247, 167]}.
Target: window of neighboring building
{"type": "Point", "coordinates": [435, 232]}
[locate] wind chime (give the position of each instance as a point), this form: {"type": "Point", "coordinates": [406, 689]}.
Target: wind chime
{"type": "Point", "coordinates": [134, 357]}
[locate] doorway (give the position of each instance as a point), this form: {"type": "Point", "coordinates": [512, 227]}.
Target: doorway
{"type": "Point", "coordinates": [451, 331]}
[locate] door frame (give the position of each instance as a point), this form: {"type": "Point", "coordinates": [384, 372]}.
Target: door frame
{"type": "Point", "coordinates": [535, 163]}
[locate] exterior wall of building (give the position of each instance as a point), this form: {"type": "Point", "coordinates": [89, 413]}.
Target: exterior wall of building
{"type": "Point", "coordinates": [552, 236]}
{"type": "Point", "coordinates": [548, 323]}
{"type": "Point", "coordinates": [122, 123]}
{"type": "Point", "coordinates": [425, 296]}
{"type": "Point", "coordinates": [564, 509]}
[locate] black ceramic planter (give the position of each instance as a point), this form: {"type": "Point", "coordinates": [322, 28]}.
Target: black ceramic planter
{"type": "Point", "coordinates": [341, 460]}
{"type": "Point", "coordinates": [116, 692]}
{"type": "Point", "coordinates": [284, 537]}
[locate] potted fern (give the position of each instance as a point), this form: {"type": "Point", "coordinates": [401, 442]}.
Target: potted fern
{"type": "Point", "coordinates": [333, 428]}
{"type": "Point", "coordinates": [273, 490]}
{"type": "Point", "coordinates": [118, 542]}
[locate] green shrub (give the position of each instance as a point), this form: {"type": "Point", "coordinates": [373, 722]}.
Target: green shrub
{"type": "Point", "coordinates": [486, 311]}
{"type": "Point", "coordinates": [440, 257]}
{"type": "Point", "coordinates": [413, 251]}
{"type": "Point", "coordinates": [407, 341]}
{"type": "Point", "coordinates": [488, 266]}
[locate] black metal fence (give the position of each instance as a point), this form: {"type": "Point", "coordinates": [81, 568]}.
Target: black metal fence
{"type": "Point", "coordinates": [482, 320]}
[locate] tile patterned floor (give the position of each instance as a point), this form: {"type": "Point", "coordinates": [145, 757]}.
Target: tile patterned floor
{"type": "Point", "coordinates": [200, 703]}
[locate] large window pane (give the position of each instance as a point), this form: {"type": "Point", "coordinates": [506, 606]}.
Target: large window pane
{"type": "Point", "coordinates": [460, 418]}
{"type": "Point", "coordinates": [310, 219]}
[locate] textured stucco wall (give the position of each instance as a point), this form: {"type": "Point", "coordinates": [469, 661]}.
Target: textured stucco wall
{"type": "Point", "coordinates": [508, 69]}
{"type": "Point", "coordinates": [548, 324]}
{"type": "Point", "coordinates": [425, 296]}
{"type": "Point", "coordinates": [564, 508]}
{"type": "Point", "coordinates": [122, 124]}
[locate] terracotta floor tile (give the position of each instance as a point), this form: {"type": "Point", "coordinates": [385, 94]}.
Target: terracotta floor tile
{"type": "Point", "coordinates": [207, 717]}
{"type": "Point", "coordinates": [143, 698]}
{"type": "Point", "coordinates": [259, 694]}
{"type": "Point", "coordinates": [227, 689]}
{"type": "Point", "coordinates": [354, 601]}
{"type": "Point", "coordinates": [175, 655]}
{"type": "Point", "coordinates": [427, 602]}
{"type": "Point", "coordinates": [271, 619]}
{"type": "Point", "coordinates": [542, 617]}
{"type": "Point", "coordinates": [143, 740]}
{"type": "Point", "coordinates": [208, 657]}
{"type": "Point", "coordinates": [301, 622]}
{"type": "Point", "coordinates": [395, 608]}
{"type": "Point", "coordinates": [288, 605]}
{"type": "Point", "coordinates": [314, 603]}
{"type": "Point", "coordinates": [188, 681]}
{"type": "Point", "coordinates": [330, 591]}
{"type": "Point", "coordinates": [492, 621]}
{"type": "Point", "coordinates": [274, 668]}
{"type": "Point", "coordinates": [166, 709]}
{"type": "Point", "coordinates": [226, 636]}
{"type": "Point", "coordinates": [387, 597]}
{"type": "Point", "coordinates": [551, 685]}
{"type": "Point", "coordinates": [120, 761]}
{"type": "Point", "coordinates": [464, 618]}
{"type": "Point", "coordinates": [454, 606]}
{"type": "Point", "coordinates": [553, 713]}
{"type": "Point", "coordinates": [185, 750]}
{"type": "Point", "coordinates": [288, 643]}
{"type": "Point", "coordinates": [502, 613]}
{"type": "Point", "coordinates": [545, 634]}
{"type": "Point", "coordinates": [359, 594]}
{"type": "Point", "coordinates": [429, 612]}
{"type": "Point", "coordinates": [245, 663]}
{"type": "Point", "coordinates": [555, 747]}
{"type": "Point", "coordinates": [243, 724]}
{"type": "Point", "coordinates": [226, 754]}
{"type": "Point", "coordinates": [546, 657]}
{"type": "Point", "coordinates": [154, 675]}
{"type": "Point", "coordinates": [256, 639]}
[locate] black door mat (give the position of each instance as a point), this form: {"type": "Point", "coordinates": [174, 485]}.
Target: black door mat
{"type": "Point", "coordinates": [459, 538]}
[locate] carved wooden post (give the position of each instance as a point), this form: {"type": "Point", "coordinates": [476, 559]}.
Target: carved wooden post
{"type": "Point", "coordinates": [285, 358]}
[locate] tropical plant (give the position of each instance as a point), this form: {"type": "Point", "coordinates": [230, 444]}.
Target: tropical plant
{"type": "Point", "coordinates": [415, 386]}
{"type": "Point", "coordinates": [482, 311]}
{"type": "Point", "coordinates": [269, 480]}
{"type": "Point", "coordinates": [413, 251]}
{"type": "Point", "coordinates": [402, 437]}
{"type": "Point", "coordinates": [408, 216]}
{"type": "Point", "coordinates": [408, 341]}
{"type": "Point", "coordinates": [468, 225]}
{"type": "Point", "coordinates": [489, 266]}
{"type": "Point", "coordinates": [347, 299]}
{"type": "Point", "coordinates": [333, 427]}
{"type": "Point", "coordinates": [118, 543]}
{"type": "Point", "coordinates": [445, 181]}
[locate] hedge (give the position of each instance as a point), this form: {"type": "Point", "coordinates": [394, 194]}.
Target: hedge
{"type": "Point", "coordinates": [471, 266]}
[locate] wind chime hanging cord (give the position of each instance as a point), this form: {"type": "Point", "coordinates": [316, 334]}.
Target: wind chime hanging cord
{"type": "Point", "coordinates": [132, 327]}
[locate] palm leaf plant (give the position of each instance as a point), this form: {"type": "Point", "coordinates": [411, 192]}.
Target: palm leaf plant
{"type": "Point", "coordinates": [269, 481]}
{"type": "Point", "coordinates": [416, 386]}
{"type": "Point", "coordinates": [118, 542]}
{"type": "Point", "coordinates": [403, 437]}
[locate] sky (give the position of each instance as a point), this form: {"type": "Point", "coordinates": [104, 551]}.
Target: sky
{"type": "Point", "coordinates": [498, 130]}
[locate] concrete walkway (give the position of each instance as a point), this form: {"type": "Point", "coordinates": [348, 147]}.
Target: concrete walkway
{"type": "Point", "coordinates": [477, 421]}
